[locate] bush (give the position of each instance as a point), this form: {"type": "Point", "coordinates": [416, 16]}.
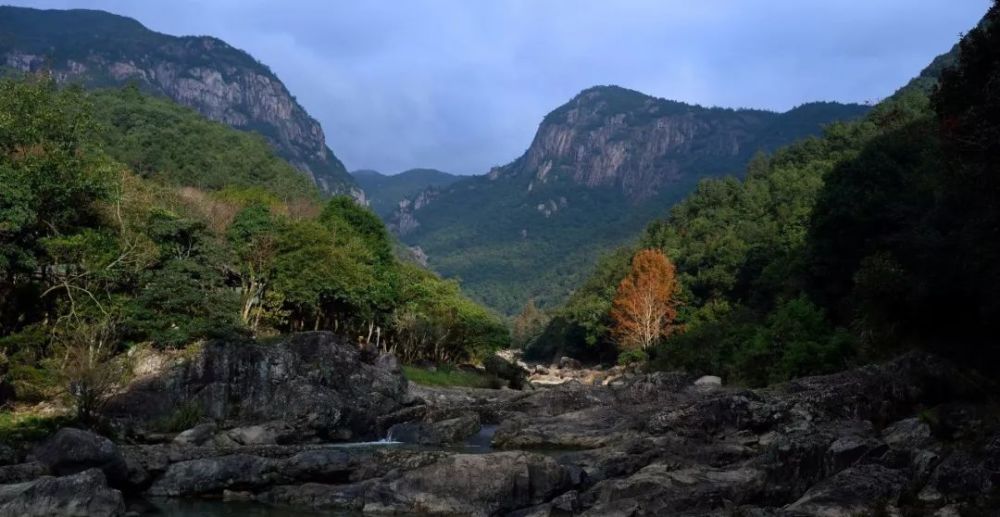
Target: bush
{"type": "Point", "coordinates": [632, 357]}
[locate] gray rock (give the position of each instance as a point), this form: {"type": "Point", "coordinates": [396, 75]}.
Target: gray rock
{"type": "Point", "coordinates": [197, 435]}
{"type": "Point", "coordinates": [320, 496]}
{"type": "Point", "coordinates": [448, 431]}
{"type": "Point", "coordinates": [663, 489]}
{"type": "Point", "coordinates": [22, 472]}
{"type": "Point", "coordinates": [569, 363]}
{"type": "Point", "coordinates": [315, 382]}
{"type": "Point", "coordinates": [472, 484]}
{"type": "Point", "coordinates": [70, 451]}
{"type": "Point", "coordinates": [909, 433]}
{"type": "Point", "coordinates": [514, 375]}
{"type": "Point", "coordinates": [84, 494]}
{"type": "Point", "coordinates": [319, 464]}
{"type": "Point", "coordinates": [961, 475]}
{"type": "Point", "coordinates": [269, 433]}
{"type": "Point", "coordinates": [213, 475]}
{"type": "Point", "coordinates": [860, 490]}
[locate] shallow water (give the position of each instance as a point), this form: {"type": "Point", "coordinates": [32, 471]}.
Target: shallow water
{"type": "Point", "coordinates": [219, 508]}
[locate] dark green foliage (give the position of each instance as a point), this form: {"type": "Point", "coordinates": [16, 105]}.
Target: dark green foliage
{"type": "Point", "coordinates": [50, 185]}
{"type": "Point", "coordinates": [342, 214]}
{"type": "Point", "coordinates": [174, 145]}
{"type": "Point", "coordinates": [96, 258]}
{"type": "Point", "coordinates": [180, 301]}
{"type": "Point", "coordinates": [794, 340]}
{"type": "Point", "coordinates": [887, 227]}
{"type": "Point", "coordinates": [918, 208]}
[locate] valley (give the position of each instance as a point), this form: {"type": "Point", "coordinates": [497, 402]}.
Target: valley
{"type": "Point", "coordinates": [659, 308]}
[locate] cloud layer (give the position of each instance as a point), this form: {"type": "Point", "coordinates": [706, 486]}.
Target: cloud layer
{"type": "Point", "coordinates": [461, 85]}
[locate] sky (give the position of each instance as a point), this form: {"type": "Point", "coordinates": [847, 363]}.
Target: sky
{"type": "Point", "coordinates": [461, 85]}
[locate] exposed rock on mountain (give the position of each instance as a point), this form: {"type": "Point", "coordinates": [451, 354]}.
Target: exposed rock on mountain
{"type": "Point", "coordinates": [99, 49]}
{"type": "Point", "coordinates": [599, 168]}
{"type": "Point", "coordinates": [385, 192]}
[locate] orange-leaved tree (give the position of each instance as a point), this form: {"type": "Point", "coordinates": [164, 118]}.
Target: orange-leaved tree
{"type": "Point", "coordinates": [644, 309]}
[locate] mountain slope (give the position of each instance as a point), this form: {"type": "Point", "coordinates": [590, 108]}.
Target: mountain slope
{"type": "Point", "coordinates": [599, 168]}
{"type": "Point", "coordinates": [384, 191]}
{"type": "Point", "coordinates": [99, 49]}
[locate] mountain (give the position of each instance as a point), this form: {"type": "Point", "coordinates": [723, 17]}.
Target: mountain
{"type": "Point", "coordinates": [384, 192]}
{"type": "Point", "coordinates": [225, 84]}
{"type": "Point", "coordinates": [599, 168]}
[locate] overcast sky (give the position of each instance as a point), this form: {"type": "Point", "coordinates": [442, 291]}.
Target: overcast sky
{"type": "Point", "coordinates": [461, 85]}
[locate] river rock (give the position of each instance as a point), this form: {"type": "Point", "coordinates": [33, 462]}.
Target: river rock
{"type": "Point", "coordinates": [448, 431]}
{"type": "Point", "coordinates": [315, 382]}
{"type": "Point", "coordinates": [84, 494]}
{"type": "Point", "coordinates": [319, 496]}
{"type": "Point", "coordinates": [663, 489]}
{"type": "Point", "coordinates": [70, 451]}
{"type": "Point", "coordinates": [473, 484]}
{"type": "Point", "coordinates": [514, 375]}
{"type": "Point", "coordinates": [22, 472]}
{"type": "Point", "coordinates": [213, 475]}
{"type": "Point", "coordinates": [909, 433]}
{"type": "Point", "coordinates": [197, 435]}
{"type": "Point", "coordinates": [268, 433]}
{"type": "Point", "coordinates": [860, 490]}
{"type": "Point", "coordinates": [569, 363]}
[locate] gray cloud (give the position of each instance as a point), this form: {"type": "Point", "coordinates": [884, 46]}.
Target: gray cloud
{"type": "Point", "coordinates": [461, 85]}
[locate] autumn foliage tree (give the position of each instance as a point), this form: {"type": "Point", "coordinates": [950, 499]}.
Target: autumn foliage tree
{"type": "Point", "coordinates": [643, 310]}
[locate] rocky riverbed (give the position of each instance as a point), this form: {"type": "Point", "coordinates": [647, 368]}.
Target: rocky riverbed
{"type": "Point", "coordinates": [913, 436]}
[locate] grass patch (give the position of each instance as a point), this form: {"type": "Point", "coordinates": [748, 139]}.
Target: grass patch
{"type": "Point", "coordinates": [449, 376]}
{"type": "Point", "coordinates": [183, 418]}
{"type": "Point", "coordinates": [17, 428]}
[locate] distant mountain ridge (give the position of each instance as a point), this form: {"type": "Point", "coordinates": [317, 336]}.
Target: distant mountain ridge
{"type": "Point", "coordinates": [100, 49]}
{"type": "Point", "coordinates": [598, 169]}
{"type": "Point", "coordinates": [384, 192]}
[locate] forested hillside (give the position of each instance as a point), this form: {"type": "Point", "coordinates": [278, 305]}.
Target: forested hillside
{"type": "Point", "coordinates": [599, 169]}
{"type": "Point", "coordinates": [384, 192]}
{"type": "Point", "coordinates": [127, 219]}
{"type": "Point", "coordinates": [100, 50]}
{"type": "Point", "coordinates": [875, 238]}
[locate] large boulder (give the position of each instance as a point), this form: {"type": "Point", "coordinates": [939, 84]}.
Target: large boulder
{"type": "Point", "coordinates": [663, 489]}
{"type": "Point", "coordinates": [84, 494]}
{"type": "Point", "coordinates": [509, 371]}
{"type": "Point", "coordinates": [318, 384]}
{"type": "Point", "coordinates": [213, 475]}
{"type": "Point", "coordinates": [860, 490]}
{"type": "Point", "coordinates": [473, 484]}
{"type": "Point", "coordinates": [448, 431]}
{"type": "Point", "coordinates": [71, 451]}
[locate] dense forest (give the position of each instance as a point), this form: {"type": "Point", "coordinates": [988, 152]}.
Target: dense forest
{"type": "Point", "coordinates": [129, 220]}
{"type": "Point", "coordinates": [880, 236]}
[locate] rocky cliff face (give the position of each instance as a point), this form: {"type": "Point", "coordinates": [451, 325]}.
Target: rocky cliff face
{"type": "Point", "coordinates": [613, 137]}
{"type": "Point", "coordinates": [99, 49]}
